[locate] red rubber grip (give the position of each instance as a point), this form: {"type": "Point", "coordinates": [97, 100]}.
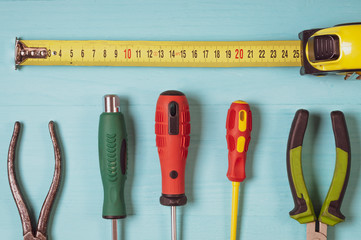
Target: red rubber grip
{"type": "Point", "coordinates": [239, 127]}
{"type": "Point", "coordinates": [172, 129]}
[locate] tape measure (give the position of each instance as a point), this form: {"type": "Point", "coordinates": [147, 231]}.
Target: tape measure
{"type": "Point", "coordinates": [159, 53]}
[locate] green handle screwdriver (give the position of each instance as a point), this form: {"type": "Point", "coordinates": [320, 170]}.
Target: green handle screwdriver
{"type": "Point", "coordinates": [113, 160]}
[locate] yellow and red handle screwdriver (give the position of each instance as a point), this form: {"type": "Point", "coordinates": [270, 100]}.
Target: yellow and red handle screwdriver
{"type": "Point", "coordinates": [239, 127]}
{"type": "Point", "coordinates": [172, 129]}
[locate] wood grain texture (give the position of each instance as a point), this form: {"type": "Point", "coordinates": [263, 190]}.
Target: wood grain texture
{"type": "Point", "coordinates": [72, 96]}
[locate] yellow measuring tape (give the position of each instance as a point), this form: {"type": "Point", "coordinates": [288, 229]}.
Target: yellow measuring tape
{"type": "Point", "coordinates": [159, 53]}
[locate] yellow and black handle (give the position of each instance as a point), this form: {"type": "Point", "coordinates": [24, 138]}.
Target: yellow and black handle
{"type": "Point", "coordinates": [303, 210]}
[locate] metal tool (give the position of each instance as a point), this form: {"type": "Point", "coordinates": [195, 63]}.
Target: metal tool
{"type": "Point", "coordinates": [158, 53]}
{"type": "Point", "coordinates": [41, 231]}
{"type": "Point", "coordinates": [113, 160]}
{"type": "Point", "coordinates": [239, 127]}
{"type": "Point", "coordinates": [303, 211]}
{"type": "Point", "coordinates": [172, 129]}
{"type": "Point", "coordinates": [334, 50]}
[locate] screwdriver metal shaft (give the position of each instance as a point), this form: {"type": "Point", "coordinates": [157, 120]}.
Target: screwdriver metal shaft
{"type": "Point", "coordinates": [115, 229]}
{"type": "Point", "coordinates": [234, 216]}
{"type": "Point", "coordinates": [174, 222]}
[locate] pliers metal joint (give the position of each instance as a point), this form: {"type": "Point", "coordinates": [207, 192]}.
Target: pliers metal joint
{"type": "Point", "coordinates": [303, 211]}
{"type": "Point", "coordinates": [41, 231]}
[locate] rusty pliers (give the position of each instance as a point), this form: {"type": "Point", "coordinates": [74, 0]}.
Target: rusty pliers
{"type": "Point", "coordinates": [40, 233]}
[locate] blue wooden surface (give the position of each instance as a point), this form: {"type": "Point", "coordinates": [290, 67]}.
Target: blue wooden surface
{"type": "Point", "coordinates": [72, 96]}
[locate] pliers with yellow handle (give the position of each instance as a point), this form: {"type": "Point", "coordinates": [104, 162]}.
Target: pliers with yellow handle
{"type": "Point", "coordinates": [303, 211]}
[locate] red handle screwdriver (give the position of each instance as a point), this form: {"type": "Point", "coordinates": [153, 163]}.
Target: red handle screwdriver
{"type": "Point", "coordinates": [172, 129]}
{"type": "Point", "coordinates": [239, 127]}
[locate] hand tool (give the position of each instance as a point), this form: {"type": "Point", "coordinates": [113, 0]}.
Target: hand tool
{"type": "Point", "coordinates": [41, 230]}
{"type": "Point", "coordinates": [113, 160]}
{"type": "Point", "coordinates": [332, 50]}
{"type": "Point", "coordinates": [303, 211]}
{"type": "Point", "coordinates": [158, 53]}
{"type": "Point", "coordinates": [172, 129]}
{"type": "Point", "coordinates": [239, 127]}
{"type": "Point", "coordinates": [320, 52]}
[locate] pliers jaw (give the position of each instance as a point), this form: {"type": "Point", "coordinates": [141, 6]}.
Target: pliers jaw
{"type": "Point", "coordinates": [41, 230]}
{"type": "Point", "coordinates": [312, 234]}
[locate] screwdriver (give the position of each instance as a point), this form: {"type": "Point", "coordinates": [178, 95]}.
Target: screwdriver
{"type": "Point", "coordinates": [172, 129]}
{"type": "Point", "coordinates": [113, 160]}
{"type": "Point", "coordinates": [239, 127]}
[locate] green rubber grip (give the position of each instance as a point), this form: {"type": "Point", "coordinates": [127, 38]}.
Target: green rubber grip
{"type": "Point", "coordinates": [113, 163]}
{"type": "Point", "coordinates": [331, 208]}
{"type": "Point", "coordinates": [303, 211]}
